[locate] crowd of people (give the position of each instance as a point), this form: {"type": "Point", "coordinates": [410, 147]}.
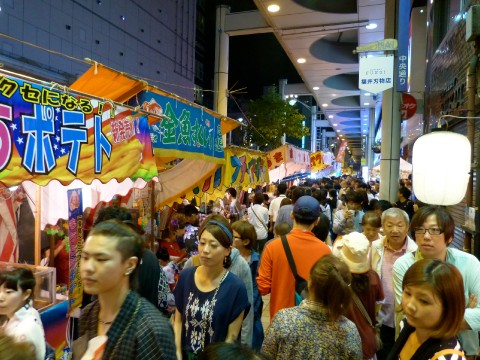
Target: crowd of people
{"type": "Point", "coordinates": [348, 276]}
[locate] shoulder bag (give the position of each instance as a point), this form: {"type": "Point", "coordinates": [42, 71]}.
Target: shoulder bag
{"type": "Point", "coordinates": [358, 302]}
{"type": "Point", "coordinates": [261, 222]}
{"type": "Point", "coordinates": [301, 285]}
{"type": "Point", "coordinates": [461, 354]}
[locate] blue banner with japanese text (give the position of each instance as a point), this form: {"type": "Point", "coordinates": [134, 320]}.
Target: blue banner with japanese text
{"type": "Point", "coordinates": [185, 131]}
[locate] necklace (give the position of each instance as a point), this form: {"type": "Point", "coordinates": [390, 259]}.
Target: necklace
{"type": "Point", "coordinates": [209, 316]}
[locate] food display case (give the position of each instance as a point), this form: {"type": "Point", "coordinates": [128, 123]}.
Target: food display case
{"type": "Point", "coordinates": [45, 289]}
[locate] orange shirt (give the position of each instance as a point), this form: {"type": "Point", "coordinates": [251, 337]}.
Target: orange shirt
{"type": "Point", "coordinates": [274, 274]}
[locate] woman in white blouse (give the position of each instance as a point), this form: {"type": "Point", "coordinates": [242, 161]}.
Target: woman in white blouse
{"type": "Point", "coordinates": [21, 320]}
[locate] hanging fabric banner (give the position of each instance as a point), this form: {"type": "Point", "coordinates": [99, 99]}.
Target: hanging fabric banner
{"type": "Point", "coordinates": [75, 236]}
{"type": "Point", "coordinates": [185, 131]}
{"type": "Point", "coordinates": [49, 134]}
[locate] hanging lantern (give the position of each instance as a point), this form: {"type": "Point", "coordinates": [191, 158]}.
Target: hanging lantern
{"type": "Point", "coordinates": [441, 167]}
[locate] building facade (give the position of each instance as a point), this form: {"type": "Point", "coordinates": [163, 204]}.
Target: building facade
{"type": "Point", "coordinates": [150, 39]}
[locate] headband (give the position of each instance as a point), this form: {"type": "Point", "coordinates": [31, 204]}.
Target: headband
{"type": "Point", "coordinates": [224, 229]}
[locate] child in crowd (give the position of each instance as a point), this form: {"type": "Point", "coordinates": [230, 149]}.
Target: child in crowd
{"type": "Point", "coordinates": [172, 271]}
{"type": "Point", "coordinates": [173, 234]}
{"type": "Point", "coordinates": [371, 224]}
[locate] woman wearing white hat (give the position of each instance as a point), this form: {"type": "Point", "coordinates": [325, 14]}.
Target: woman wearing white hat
{"type": "Point", "coordinates": [353, 249]}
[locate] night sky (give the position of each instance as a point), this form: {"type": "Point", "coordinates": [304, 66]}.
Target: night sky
{"type": "Point", "coordinates": [256, 60]}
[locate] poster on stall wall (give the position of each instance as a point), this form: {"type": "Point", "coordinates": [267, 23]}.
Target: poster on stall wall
{"type": "Point", "coordinates": [75, 235]}
{"type": "Point", "coordinates": [48, 134]}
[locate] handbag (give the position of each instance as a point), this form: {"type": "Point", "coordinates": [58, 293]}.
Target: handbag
{"type": "Point", "coordinates": [358, 302]}
{"type": "Point", "coordinates": [301, 285]}
{"type": "Point", "coordinates": [261, 222]}
{"type": "Point", "coordinates": [461, 354]}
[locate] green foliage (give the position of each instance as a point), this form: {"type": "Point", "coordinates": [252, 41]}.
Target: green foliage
{"type": "Point", "coordinates": [271, 117]}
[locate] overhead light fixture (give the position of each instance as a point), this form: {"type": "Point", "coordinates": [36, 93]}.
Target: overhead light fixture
{"type": "Point", "coordinates": [273, 8]}
{"type": "Point", "coordinates": [330, 116]}
{"type": "Point", "coordinates": [366, 103]}
{"type": "Point", "coordinates": [301, 60]}
{"type": "Point", "coordinates": [334, 94]}
{"type": "Point", "coordinates": [367, 94]}
{"type": "Point", "coordinates": [240, 119]}
{"type": "Point", "coordinates": [371, 26]}
{"type": "Point", "coordinates": [316, 88]}
{"type": "Point", "coordinates": [334, 124]}
{"type": "Point", "coordinates": [324, 105]}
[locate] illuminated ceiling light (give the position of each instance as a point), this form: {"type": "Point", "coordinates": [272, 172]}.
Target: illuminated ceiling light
{"type": "Point", "coordinates": [334, 124]}
{"type": "Point", "coordinates": [367, 94]}
{"type": "Point", "coordinates": [330, 116]}
{"type": "Point", "coordinates": [371, 26]}
{"type": "Point", "coordinates": [334, 94]}
{"type": "Point", "coordinates": [240, 119]}
{"type": "Point", "coordinates": [366, 103]}
{"type": "Point", "coordinates": [273, 8]}
{"type": "Point", "coordinates": [301, 60]}
{"type": "Point", "coordinates": [316, 88]}
{"type": "Point", "coordinates": [421, 11]}
{"type": "Point", "coordinates": [324, 105]}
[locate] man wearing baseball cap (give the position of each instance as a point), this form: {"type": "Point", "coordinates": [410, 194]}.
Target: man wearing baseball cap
{"type": "Point", "coordinates": [274, 275]}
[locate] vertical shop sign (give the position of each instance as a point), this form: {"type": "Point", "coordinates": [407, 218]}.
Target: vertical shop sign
{"type": "Point", "coordinates": [75, 235]}
{"type": "Point", "coordinates": [403, 32]}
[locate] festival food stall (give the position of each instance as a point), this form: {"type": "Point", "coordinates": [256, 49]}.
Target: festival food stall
{"type": "Point", "coordinates": [55, 136]}
{"type": "Point", "coordinates": [71, 150]}
{"type": "Point", "coordinates": [287, 160]}
{"type": "Point", "coordinates": [405, 170]}
{"type": "Point", "coordinates": [243, 169]}
{"type": "Point", "coordinates": [323, 164]}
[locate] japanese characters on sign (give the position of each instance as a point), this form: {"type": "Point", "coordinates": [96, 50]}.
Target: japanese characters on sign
{"type": "Point", "coordinates": [47, 134]}
{"type": "Point", "coordinates": [186, 131]}
{"type": "Point", "coordinates": [75, 238]}
{"type": "Point", "coordinates": [408, 107]}
{"type": "Point", "coordinates": [375, 73]}
{"type": "Point", "coordinates": [403, 31]}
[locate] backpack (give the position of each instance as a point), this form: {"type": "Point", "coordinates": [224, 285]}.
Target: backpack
{"type": "Point", "coordinates": [301, 285]}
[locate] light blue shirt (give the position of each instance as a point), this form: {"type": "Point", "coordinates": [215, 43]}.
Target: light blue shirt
{"type": "Point", "coordinates": [469, 267]}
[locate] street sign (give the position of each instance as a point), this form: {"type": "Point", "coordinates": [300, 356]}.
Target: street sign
{"type": "Point", "coordinates": [408, 107]}
{"type": "Point", "coordinates": [381, 45]}
{"type": "Point", "coordinates": [375, 73]}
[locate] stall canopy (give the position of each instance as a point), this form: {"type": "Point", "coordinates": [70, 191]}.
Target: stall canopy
{"type": "Point", "coordinates": [287, 160]}
{"type": "Point", "coordinates": [184, 130]}
{"type": "Point", "coordinates": [405, 169]}
{"type": "Point", "coordinates": [243, 169]}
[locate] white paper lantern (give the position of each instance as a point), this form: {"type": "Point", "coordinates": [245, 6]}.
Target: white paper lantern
{"type": "Point", "coordinates": [441, 165]}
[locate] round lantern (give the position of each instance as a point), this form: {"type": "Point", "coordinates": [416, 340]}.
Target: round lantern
{"type": "Point", "coordinates": [441, 167]}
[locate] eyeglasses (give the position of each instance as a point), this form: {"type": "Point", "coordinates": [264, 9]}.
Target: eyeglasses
{"type": "Point", "coordinates": [431, 231]}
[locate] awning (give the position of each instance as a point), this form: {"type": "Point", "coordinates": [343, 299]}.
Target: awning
{"type": "Point", "coordinates": [287, 160]}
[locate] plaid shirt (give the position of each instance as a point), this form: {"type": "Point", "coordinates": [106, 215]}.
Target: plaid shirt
{"type": "Point", "coordinates": [138, 332]}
